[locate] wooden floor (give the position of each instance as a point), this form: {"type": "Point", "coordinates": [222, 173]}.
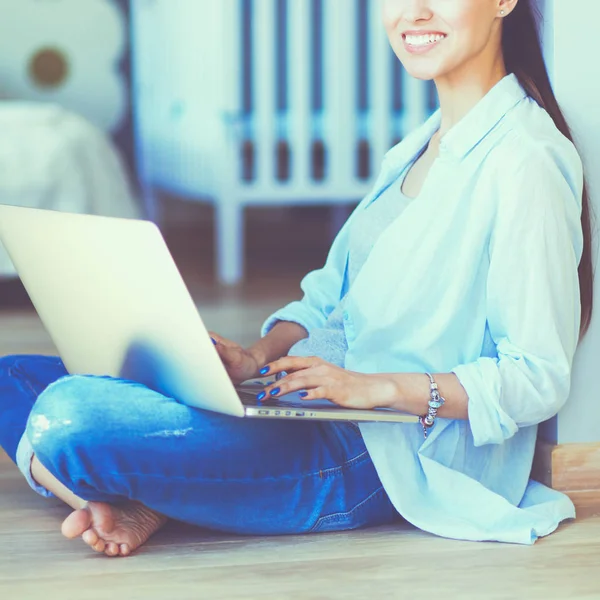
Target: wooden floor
{"type": "Point", "coordinates": [182, 562]}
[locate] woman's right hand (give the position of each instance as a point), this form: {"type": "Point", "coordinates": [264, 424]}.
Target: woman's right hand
{"type": "Point", "coordinates": [239, 362]}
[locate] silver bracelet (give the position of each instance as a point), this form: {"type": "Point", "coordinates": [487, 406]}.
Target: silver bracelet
{"type": "Point", "coordinates": [435, 403]}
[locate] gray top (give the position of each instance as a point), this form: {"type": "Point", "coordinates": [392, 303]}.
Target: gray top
{"type": "Point", "coordinates": [329, 342]}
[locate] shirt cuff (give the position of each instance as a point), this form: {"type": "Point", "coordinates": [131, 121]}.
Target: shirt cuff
{"type": "Point", "coordinates": [24, 457]}
{"type": "Point", "coordinates": [489, 423]}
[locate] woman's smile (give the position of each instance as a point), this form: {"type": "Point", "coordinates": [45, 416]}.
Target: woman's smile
{"type": "Point", "coordinates": [420, 42]}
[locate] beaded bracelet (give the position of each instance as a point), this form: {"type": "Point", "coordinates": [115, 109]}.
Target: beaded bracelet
{"type": "Point", "coordinates": [435, 404]}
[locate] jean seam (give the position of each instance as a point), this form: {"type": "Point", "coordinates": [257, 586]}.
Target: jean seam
{"type": "Point", "coordinates": [34, 394]}
{"type": "Point", "coordinates": [322, 474]}
{"type": "Point", "coordinates": [327, 473]}
{"type": "Point", "coordinates": [340, 516]}
{"type": "Point", "coordinates": [24, 380]}
{"type": "Point", "coordinates": [349, 464]}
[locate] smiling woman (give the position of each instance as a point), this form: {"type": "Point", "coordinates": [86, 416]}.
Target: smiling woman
{"type": "Point", "coordinates": [452, 35]}
{"type": "Point", "coordinates": [457, 291]}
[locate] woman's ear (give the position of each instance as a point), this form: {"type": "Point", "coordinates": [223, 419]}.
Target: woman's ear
{"type": "Point", "coordinates": [505, 7]}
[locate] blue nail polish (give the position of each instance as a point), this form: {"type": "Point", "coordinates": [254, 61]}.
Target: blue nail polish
{"type": "Point", "coordinates": [261, 396]}
{"type": "Point", "coordinates": [303, 394]}
{"type": "Point", "coordinates": [214, 341]}
{"type": "Point", "coordinates": [264, 370]}
{"type": "Point", "coordinates": [275, 391]}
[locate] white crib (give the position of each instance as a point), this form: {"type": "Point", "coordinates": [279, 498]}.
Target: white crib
{"type": "Point", "coordinates": [312, 98]}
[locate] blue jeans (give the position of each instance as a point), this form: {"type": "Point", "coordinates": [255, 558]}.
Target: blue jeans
{"type": "Point", "coordinates": [114, 440]}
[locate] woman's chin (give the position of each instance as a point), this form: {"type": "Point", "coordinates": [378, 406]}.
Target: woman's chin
{"type": "Point", "coordinates": [421, 72]}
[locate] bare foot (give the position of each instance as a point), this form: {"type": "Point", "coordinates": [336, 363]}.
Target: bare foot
{"type": "Point", "coordinates": [114, 530]}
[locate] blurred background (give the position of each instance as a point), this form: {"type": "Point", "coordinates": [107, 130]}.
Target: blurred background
{"type": "Point", "coordinates": [246, 129]}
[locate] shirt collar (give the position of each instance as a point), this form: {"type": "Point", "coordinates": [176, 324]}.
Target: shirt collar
{"type": "Point", "coordinates": [483, 117]}
{"type": "Point", "coordinates": [469, 131]}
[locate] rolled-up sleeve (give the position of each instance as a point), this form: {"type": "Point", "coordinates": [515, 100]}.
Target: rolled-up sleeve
{"type": "Point", "coordinates": [322, 289]}
{"type": "Point", "coordinates": [533, 299]}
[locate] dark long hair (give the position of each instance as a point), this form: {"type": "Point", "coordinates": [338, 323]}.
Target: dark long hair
{"type": "Point", "coordinates": [523, 56]}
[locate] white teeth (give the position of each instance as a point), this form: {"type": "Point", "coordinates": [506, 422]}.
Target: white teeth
{"type": "Point", "coordinates": [423, 40]}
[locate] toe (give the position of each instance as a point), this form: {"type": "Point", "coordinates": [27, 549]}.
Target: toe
{"type": "Point", "coordinates": [111, 549]}
{"type": "Point", "coordinates": [99, 546]}
{"type": "Point", "coordinates": [124, 550]}
{"type": "Point", "coordinates": [76, 523]}
{"type": "Point", "coordinates": [90, 537]}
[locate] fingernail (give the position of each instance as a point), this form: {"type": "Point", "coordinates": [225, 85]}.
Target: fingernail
{"type": "Point", "coordinates": [214, 341]}
{"type": "Point", "coordinates": [264, 370]}
{"type": "Point", "coordinates": [303, 394]}
{"type": "Point", "coordinates": [275, 391]}
{"type": "Point", "coordinates": [261, 395]}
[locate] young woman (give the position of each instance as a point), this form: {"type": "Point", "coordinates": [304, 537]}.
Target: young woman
{"type": "Point", "coordinates": [470, 260]}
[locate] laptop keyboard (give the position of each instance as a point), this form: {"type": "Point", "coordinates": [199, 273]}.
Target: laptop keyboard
{"type": "Point", "coordinates": [249, 399]}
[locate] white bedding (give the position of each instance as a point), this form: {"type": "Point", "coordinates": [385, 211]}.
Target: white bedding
{"type": "Point", "coordinates": [52, 158]}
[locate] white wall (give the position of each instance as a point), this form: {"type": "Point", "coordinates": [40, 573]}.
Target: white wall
{"type": "Point", "coordinates": [179, 59]}
{"type": "Point", "coordinates": [573, 56]}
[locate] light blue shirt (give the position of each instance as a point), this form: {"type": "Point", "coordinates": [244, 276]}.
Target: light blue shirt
{"type": "Point", "coordinates": [477, 276]}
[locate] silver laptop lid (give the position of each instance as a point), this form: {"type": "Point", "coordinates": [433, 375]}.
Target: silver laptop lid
{"type": "Point", "coordinates": [114, 303]}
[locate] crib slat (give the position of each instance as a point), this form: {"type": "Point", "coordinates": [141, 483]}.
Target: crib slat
{"type": "Point", "coordinates": [299, 16]}
{"type": "Point", "coordinates": [263, 74]}
{"type": "Point", "coordinates": [340, 90]}
{"type": "Point", "coordinates": [380, 87]}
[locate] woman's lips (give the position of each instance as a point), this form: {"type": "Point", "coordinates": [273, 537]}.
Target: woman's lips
{"type": "Point", "coordinates": [422, 42]}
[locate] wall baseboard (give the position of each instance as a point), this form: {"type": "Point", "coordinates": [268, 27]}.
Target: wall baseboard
{"type": "Point", "coordinates": [573, 469]}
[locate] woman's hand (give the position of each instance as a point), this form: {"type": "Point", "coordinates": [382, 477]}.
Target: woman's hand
{"type": "Point", "coordinates": [240, 363]}
{"type": "Point", "coordinates": [316, 379]}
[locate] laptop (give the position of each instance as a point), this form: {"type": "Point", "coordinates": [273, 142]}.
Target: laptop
{"type": "Point", "coordinates": [114, 303]}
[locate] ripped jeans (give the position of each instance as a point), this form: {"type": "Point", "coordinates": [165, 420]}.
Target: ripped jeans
{"type": "Point", "coordinates": [114, 440]}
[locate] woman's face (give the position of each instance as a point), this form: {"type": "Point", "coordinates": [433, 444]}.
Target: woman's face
{"type": "Point", "coordinates": [433, 38]}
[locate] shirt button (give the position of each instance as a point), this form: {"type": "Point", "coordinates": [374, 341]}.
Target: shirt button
{"type": "Point", "coordinates": [346, 316]}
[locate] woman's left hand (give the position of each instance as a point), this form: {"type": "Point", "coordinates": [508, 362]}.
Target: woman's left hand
{"type": "Point", "coordinates": [316, 379]}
